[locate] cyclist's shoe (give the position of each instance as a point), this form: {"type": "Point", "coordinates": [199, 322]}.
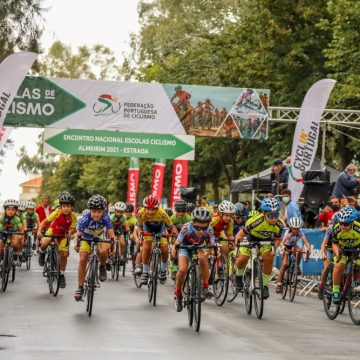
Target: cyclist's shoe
{"type": "Point", "coordinates": [138, 270]}
{"type": "Point", "coordinates": [122, 262]}
{"type": "Point", "coordinates": [178, 303]}
{"type": "Point", "coordinates": [321, 293]}
{"type": "Point", "coordinates": [144, 278]}
{"type": "Point", "coordinates": [278, 288]}
{"type": "Point", "coordinates": [42, 258]}
{"type": "Point", "coordinates": [108, 266]}
{"type": "Point", "coordinates": [79, 294]}
{"type": "Point", "coordinates": [266, 292]}
{"type": "Point", "coordinates": [22, 258]}
{"type": "Point", "coordinates": [207, 293]}
{"type": "Point", "coordinates": [102, 273]}
{"type": "Point", "coordinates": [239, 283]}
{"type": "Point", "coordinates": [62, 281]}
{"type": "Point", "coordinates": [336, 298]}
{"type": "Point", "coordinates": [163, 277]}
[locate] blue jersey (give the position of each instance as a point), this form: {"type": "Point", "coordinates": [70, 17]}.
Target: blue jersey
{"type": "Point", "coordinates": [90, 228]}
{"type": "Point", "coordinates": [187, 235]}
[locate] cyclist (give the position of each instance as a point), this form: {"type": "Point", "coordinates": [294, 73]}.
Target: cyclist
{"type": "Point", "coordinates": [252, 213]}
{"type": "Point", "coordinates": [21, 208]}
{"type": "Point", "coordinates": [169, 211]}
{"type": "Point", "coordinates": [240, 217]}
{"type": "Point", "coordinates": [118, 219]}
{"type": "Point", "coordinates": [195, 232]}
{"type": "Point", "coordinates": [93, 224]}
{"type": "Point", "coordinates": [345, 237]}
{"type": "Point", "coordinates": [11, 222]}
{"type": "Point", "coordinates": [290, 241]}
{"type": "Point", "coordinates": [190, 208]}
{"type": "Point", "coordinates": [131, 220]}
{"type": "Point", "coordinates": [62, 222]}
{"type": "Point", "coordinates": [153, 219]}
{"type": "Point", "coordinates": [263, 227]}
{"type": "Point", "coordinates": [32, 220]}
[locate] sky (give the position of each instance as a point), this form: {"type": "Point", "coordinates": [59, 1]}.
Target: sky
{"type": "Point", "coordinates": [75, 23]}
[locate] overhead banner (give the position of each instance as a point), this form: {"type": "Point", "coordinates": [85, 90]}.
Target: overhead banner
{"type": "Point", "coordinates": [4, 135]}
{"type": "Point", "coordinates": [12, 73]}
{"type": "Point", "coordinates": [110, 143]}
{"type": "Point", "coordinates": [141, 108]}
{"type": "Point", "coordinates": [133, 181]}
{"type": "Point", "coordinates": [157, 183]}
{"type": "Point", "coordinates": [179, 179]}
{"type": "Point", "coordinates": [306, 135]}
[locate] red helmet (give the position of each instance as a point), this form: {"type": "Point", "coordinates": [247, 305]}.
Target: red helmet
{"type": "Point", "coordinates": [151, 202]}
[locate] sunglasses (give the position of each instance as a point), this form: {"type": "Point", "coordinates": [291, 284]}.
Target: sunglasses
{"type": "Point", "coordinates": [274, 215]}
{"type": "Point", "coordinates": [200, 228]}
{"type": "Point", "coordinates": [345, 224]}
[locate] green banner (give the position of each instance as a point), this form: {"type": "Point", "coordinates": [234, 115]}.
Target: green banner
{"type": "Point", "coordinates": [109, 143]}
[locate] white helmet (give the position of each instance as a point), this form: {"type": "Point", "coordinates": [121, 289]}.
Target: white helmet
{"type": "Point", "coordinates": [121, 206]}
{"type": "Point", "coordinates": [295, 223]}
{"type": "Point", "coordinates": [227, 207]}
{"type": "Point", "coordinates": [22, 206]}
{"type": "Point", "coordinates": [11, 203]}
{"type": "Point", "coordinates": [86, 211]}
{"type": "Point", "coordinates": [30, 205]}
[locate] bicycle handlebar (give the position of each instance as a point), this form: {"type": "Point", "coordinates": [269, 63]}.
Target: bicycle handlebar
{"type": "Point", "coordinates": [161, 235]}
{"type": "Point", "coordinates": [194, 246]}
{"type": "Point", "coordinates": [96, 239]}
{"type": "Point", "coordinates": [12, 232]}
{"type": "Point", "coordinates": [256, 243]}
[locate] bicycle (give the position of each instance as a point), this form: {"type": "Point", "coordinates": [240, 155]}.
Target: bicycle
{"type": "Point", "coordinates": [291, 278]}
{"type": "Point", "coordinates": [232, 290]}
{"type": "Point", "coordinates": [8, 264]}
{"type": "Point", "coordinates": [51, 268]}
{"type": "Point", "coordinates": [154, 265]}
{"type": "Point", "coordinates": [219, 273]}
{"type": "Point", "coordinates": [347, 289]}
{"type": "Point", "coordinates": [118, 261]}
{"type": "Point", "coordinates": [137, 276]}
{"type": "Point", "coordinates": [252, 278]}
{"type": "Point", "coordinates": [29, 251]}
{"type": "Point", "coordinates": [192, 289]}
{"type": "Point", "coordinates": [91, 278]}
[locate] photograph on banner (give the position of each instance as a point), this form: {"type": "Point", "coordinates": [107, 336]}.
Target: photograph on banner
{"type": "Point", "coordinates": [209, 110]}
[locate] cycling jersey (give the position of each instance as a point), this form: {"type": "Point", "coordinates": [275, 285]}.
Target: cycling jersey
{"type": "Point", "coordinates": [290, 239]}
{"type": "Point", "coordinates": [259, 229]}
{"type": "Point", "coordinates": [118, 222]}
{"type": "Point", "coordinates": [31, 220]}
{"type": "Point", "coordinates": [131, 221]}
{"type": "Point", "coordinates": [10, 223]}
{"type": "Point", "coordinates": [187, 235]}
{"type": "Point", "coordinates": [328, 236]}
{"type": "Point", "coordinates": [90, 228]}
{"type": "Point", "coordinates": [238, 227]}
{"type": "Point", "coordinates": [60, 223]}
{"type": "Point", "coordinates": [347, 239]}
{"type": "Point", "coordinates": [156, 223]}
{"type": "Point", "coordinates": [221, 228]}
{"type": "Point", "coordinates": [179, 222]}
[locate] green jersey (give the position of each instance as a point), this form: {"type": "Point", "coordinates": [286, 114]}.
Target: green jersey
{"type": "Point", "coordinates": [30, 220]}
{"type": "Point", "coordinates": [180, 222]}
{"type": "Point", "coordinates": [10, 223]}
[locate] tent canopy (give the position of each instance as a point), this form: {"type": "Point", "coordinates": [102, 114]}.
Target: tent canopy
{"type": "Point", "coordinates": [261, 181]}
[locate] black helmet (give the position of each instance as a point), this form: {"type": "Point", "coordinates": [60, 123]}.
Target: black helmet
{"type": "Point", "coordinates": [169, 211]}
{"type": "Point", "coordinates": [201, 214]}
{"type": "Point", "coordinates": [180, 205]}
{"type": "Point", "coordinates": [97, 202]}
{"type": "Point", "coordinates": [66, 198]}
{"type": "Point", "coordinates": [190, 207]}
{"type": "Point", "coordinates": [129, 207]}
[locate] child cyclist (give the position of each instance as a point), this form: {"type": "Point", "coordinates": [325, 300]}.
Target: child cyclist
{"type": "Point", "coordinates": [62, 222]}
{"type": "Point", "coordinates": [290, 241]}
{"type": "Point", "coordinates": [93, 224]}
{"type": "Point", "coordinates": [195, 232]}
{"type": "Point", "coordinates": [131, 220]}
{"type": "Point", "coordinates": [31, 218]}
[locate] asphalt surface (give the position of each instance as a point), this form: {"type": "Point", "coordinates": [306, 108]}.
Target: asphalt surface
{"type": "Point", "coordinates": [35, 325]}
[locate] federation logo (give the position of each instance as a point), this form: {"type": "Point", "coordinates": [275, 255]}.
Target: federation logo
{"type": "Point", "coordinates": [106, 105]}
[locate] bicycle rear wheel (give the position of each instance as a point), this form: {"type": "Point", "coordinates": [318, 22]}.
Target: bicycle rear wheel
{"type": "Point", "coordinates": [154, 268]}
{"type": "Point", "coordinates": [232, 289]}
{"type": "Point", "coordinates": [258, 291]}
{"type": "Point", "coordinates": [28, 252]}
{"type": "Point", "coordinates": [5, 269]}
{"type": "Point", "coordinates": [354, 302]}
{"type": "Point", "coordinates": [285, 283]}
{"type": "Point", "coordinates": [117, 260]}
{"type": "Point", "coordinates": [125, 256]}
{"type": "Point", "coordinates": [196, 294]}
{"type": "Point", "coordinates": [55, 270]}
{"type": "Point", "coordinates": [293, 279]}
{"type": "Point", "coordinates": [91, 277]}
{"type": "Point", "coordinates": [331, 309]}
{"type": "Point", "coordinates": [246, 292]}
{"type": "Point", "coordinates": [221, 281]}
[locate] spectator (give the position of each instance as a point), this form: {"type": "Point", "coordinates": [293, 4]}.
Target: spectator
{"type": "Point", "coordinates": [279, 177]}
{"type": "Point", "coordinates": [44, 209]}
{"type": "Point", "coordinates": [292, 208]}
{"type": "Point", "coordinates": [335, 203]}
{"type": "Point", "coordinates": [346, 183]}
{"type": "Point", "coordinates": [325, 216]}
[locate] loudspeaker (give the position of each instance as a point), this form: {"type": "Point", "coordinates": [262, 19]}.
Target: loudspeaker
{"type": "Point", "coordinates": [316, 184]}
{"type": "Point", "coordinates": [188, 194]}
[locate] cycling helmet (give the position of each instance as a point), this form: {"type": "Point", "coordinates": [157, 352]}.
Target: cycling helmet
{"type": "Point", "coordinates": [129, 207]}
{"type": "Point", "coordinates": [22, 206]}
{"type": "Point", "coordinates": [201, 214]}
{"type": "Point", "coordinates": [169, 211]}
{"type": "Point", "coordinates": [347, 215]}
{"type": "Point", "coordinates": [190, 207]}
{"type": "Point", "coordinates": [66, 198]}
{"type": "Point", "coordinates": [295, 223]}
{"type": "Point", "coordinates": [86, 211]}
{"type": "Point", "coordinates": [151, 202]}
{"type": "Point", "coordinates": [240, 209]}
{"type": "Point", "coordinates": [30, 205]}
{"type": "Point", "coordinates": [121, 206]}
{"type": "Point", "coordinates": [180, 205]}
{"type": "Point", "coordinates": [253, 213]}
{"type": "Point", "coordinates": [335, 218]}
{"type": "Point", "coordinates": [97, 202]}
{"type": "Point", "coordinates": [270, 204]}
{"type": "Point", "coordinates": [227, 207]}
{"type": "Point", "coordinates": [11, 203]}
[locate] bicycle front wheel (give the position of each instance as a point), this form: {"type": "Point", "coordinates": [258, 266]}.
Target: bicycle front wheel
{"type": "Point", "coordinates": [28, 252]}
{"type": "Point", "coordinates": [354, 301]}
{"type": "Point", "coordinates": [246, 292]}
{"type": "Point", "coordinates": [293, 279]}
{"type": "Point", "coordinates": [5, 269]}
{"type": "Point", "coordinates": [196, 294]}
{"type": "Point", "coordinates": [117, 260]}
{"type": "Point", "coordinates": [221, 281]}
{"type": "Point", "coordinates": [91, 278]}
{"type": "Point", "coordinates": [232, 288]}
{"type": "Point", "coordinates": [187, 298]}
{"type": "Point", "coordinates": [258, 291]}
{"type": "Point", "coordinates": [331, 309]}
{"type": "Point", "coordinates": [55, 270]}
{"type": "Point", "coordinates": [154, 276]}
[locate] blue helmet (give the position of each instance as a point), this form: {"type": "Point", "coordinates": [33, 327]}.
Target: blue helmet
{"type": "Point", "coordinates": [347, 215]}
{"type": "Point", "coordinates": [240, 209]}
{"type": "Point", "coordinates": [270, 204]}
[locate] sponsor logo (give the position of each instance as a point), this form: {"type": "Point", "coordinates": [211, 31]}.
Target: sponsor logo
{"type": "Point", "coordinates": [106, 105]}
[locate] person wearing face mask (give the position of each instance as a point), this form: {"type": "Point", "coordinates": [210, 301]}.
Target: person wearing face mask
{"type": "Point", "coordinates": [291, 207]}
{"type": "Point", "coordinates": [346, 183]}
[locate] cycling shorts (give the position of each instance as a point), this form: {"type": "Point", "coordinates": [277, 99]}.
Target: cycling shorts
{"type": "Point", "coordinates": [186, 252]}
{"type": "Point", "coordinates": [163, 241]}
{"type": "Point", "coordinates": [86, 245]}
{"type": "Point", "coordinates": [244, 250]}
{"type": "Point", "coordinates": [63, 243]}
{"type": "Point", "coordinates": [345, 258]}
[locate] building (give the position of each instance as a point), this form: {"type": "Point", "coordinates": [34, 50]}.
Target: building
{"type": "Point", "coordinates": [31, 188]}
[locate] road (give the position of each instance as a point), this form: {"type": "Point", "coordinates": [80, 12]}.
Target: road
{"type": "Point", "coordinates": [35, 325]}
